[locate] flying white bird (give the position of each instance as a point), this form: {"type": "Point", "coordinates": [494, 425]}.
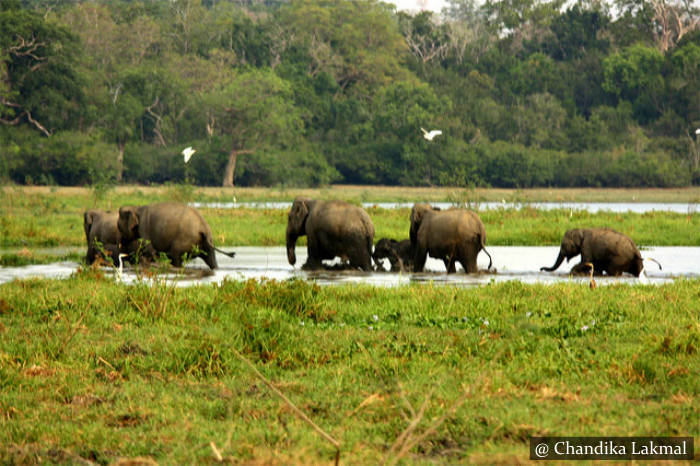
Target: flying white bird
{"type": "Point", "coordinates": [188, 153]}
{"type": "Point", "coordinates": [430, 135]}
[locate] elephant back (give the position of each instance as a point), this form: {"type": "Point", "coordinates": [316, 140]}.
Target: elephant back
{"type": "Point", "coordinates": [165, 222]}
{"type": "Point", "coordinates": [340, 218]}
{"type": "Point", "coordinates": [460, 222]}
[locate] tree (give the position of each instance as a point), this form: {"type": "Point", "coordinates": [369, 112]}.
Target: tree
{"type": "Point", "coordinates": [672, 21]}
{"type": "Point", "coordinates": [254, 110]}
{"type": "Point", "coordinates": [521, 20]}
{"type": "Point", "coordinates": [356, 42]}
{"type": "Point", "coordinates": [634, 74]}
{"type": "Point", "coordinates": [38, 81]}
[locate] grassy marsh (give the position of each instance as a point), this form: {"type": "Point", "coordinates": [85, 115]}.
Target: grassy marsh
{"type": "Point", "coordinates": [96, 370]}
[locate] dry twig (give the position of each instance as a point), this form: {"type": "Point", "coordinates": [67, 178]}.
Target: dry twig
{"type": "Point", "coordinates": [296, 410]}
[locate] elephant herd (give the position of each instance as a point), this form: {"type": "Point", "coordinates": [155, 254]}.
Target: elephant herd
{"type": "Point", "coordinates": [141, 234]}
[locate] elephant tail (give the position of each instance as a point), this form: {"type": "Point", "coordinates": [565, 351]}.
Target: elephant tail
{"type": "Point", "coordinates": [229, 254]}
{"type": "Point", "coordinates": [483, 248]}
{"type": "Point", "coordinates": [490, 260]}
{"type": "Point", "coordinates": [655, 261]}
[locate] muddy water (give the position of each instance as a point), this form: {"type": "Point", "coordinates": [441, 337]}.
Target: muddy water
{"type": "Point", "coordinates": [511, 263]}
{"type": "Point", "coordinates": [593, 207]}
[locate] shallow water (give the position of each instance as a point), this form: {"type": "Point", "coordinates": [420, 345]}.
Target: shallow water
{"type": "Point", "coordinates": [510, 263]}
{"type": "Point", "coordinates": [593, 207]}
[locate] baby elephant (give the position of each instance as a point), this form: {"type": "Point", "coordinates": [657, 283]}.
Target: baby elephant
{"type": "Point", "coordinates": [398, 252]}
{"type": "Point", "coordinates": [607, 250]}
{"type": "Point", "coordinates": [171, 228]}
{"type": "Point", "coordinates": [102, 235]}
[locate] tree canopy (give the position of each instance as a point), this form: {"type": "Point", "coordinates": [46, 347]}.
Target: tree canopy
{"type": "Point", "coordinates": [304, 92]}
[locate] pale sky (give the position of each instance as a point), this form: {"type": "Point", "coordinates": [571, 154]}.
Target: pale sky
{"type": "Point", "coordinates": [418, 5]}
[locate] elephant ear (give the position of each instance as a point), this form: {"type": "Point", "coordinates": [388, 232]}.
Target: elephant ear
{"type": "Point", "coordinates": [88, 219]}
{"type": "Point", "coordinates": [572, 242]}
{"type": "Point", "coordinates": [416, 218]}
{"type": "Point", "coordinates": [128, 222]}
{"type": "Point", "coordinates": [299, 212]}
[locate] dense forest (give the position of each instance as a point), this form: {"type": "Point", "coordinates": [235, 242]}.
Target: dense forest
{"type": "Point", "coordinates": [308, 92]}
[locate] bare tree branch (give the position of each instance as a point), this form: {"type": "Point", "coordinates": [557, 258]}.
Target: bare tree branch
{"type": "Point", "coordinates": [27, 49]}
{"type": "Point", "coordinates": [673, 21]}
{"type": "Point", "coordinates": [158, 119]}
{"type": "Point", "coordinates": [37, 124]}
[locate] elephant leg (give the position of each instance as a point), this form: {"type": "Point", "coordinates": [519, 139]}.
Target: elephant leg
{"type": "Point", "coordinates": [450, 264]}
{"type": "Point", "coordinates": [90, 257]}
{"type": "Point", "coordinates": [467, 256]}
{"type": "Point", "coordinates": [176, 259]}
{"type": "Point", "coordinates": [313, 261]}
{"type": "Point", "coordinates": [419, 259]}
{"type": "Point", "coordinates": [360, 257]}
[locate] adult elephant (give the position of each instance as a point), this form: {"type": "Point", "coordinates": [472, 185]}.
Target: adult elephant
{"type": "Point", "coordinates": [333, 229]}
{"type": "Point", "coordinates": [171, 228]}
{"type": "Point", "coordinates": [451, 235]}
{"type": "Point", "coordinates": [608, 250]}
{"type": "Point", "coordinates": [102, 235]}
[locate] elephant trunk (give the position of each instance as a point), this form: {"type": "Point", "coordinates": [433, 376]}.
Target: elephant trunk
{"type": "Point", "coordinates": [556, 265]}
{"type": "Point", "coordinates": [291, 245]}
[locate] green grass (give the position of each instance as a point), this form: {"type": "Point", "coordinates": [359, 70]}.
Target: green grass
{"type": "Point", "coordinates": [101, 371]}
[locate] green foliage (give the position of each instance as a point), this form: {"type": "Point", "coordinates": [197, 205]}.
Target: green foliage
{"type": "Point", "coordinates": [66, 158]}
{"type": "Point", "coordinates": [316, 91]}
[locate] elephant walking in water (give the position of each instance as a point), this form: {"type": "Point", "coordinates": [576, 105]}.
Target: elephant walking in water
{"type": "Point", "coordinates": [171, 228]}
{"type": "Point", "coordinates": [333, 229]}
{"type": "Point", "coordinates": [606, 249]}
{"type": "Point", "coordinates": [102, 235]}
{"type": "Point", "coordinates": [451, 235]}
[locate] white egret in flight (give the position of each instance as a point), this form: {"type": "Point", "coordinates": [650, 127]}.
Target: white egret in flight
{"type": "Point", "coordinates": [187, 152]}
{"type": "Point", "coordinates": [429, 135]}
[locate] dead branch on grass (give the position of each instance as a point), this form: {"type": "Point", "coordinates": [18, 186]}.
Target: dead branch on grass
{"type": "Point", "coordinates": [407, 440]}
{"type": "Point", "coordinates": [294, 408]}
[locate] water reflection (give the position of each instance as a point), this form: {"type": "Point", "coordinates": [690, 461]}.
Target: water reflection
{"type": "Point", "coordinates": [511, 263]}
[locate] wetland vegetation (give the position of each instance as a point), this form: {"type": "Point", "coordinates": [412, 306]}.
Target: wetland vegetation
{"type": "Point", "coordinates": [97, 370]}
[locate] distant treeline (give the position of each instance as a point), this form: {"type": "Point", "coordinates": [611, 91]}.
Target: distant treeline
{"type": "Point", "coordinates": [308, 92]}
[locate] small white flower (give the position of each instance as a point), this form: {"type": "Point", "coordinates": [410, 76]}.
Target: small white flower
{"type": "Point", "coordinates": [371, 328]}
{"type": "Point", "coordinates": [464, 319]}
{"type": "Point", "coordinates": [375, 317]}
{"type": "Point", "coordinates": [592, 322]}
{"type": "Point", "coordinates": [584, 328]}
{"type": "Point", "coordinates": [486, 322]}
{"type": "Point", "coordinates": [529, 314]}
{"type": "Point", "coordinates": [301, 323]}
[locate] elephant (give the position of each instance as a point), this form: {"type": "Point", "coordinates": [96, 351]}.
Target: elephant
{"type": "Point", "coordinates": [398, 252]}
{"type": "Point", "coordinates": [604, 249]}
{"type": "Point", "coordinates": [451, 235]}
{"type": "Point", "coordinates": [332, 228]}
{"type": "Point", "coordinates": [102, 235]}
{"type": "Point", "coordinates": [171, 228]}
